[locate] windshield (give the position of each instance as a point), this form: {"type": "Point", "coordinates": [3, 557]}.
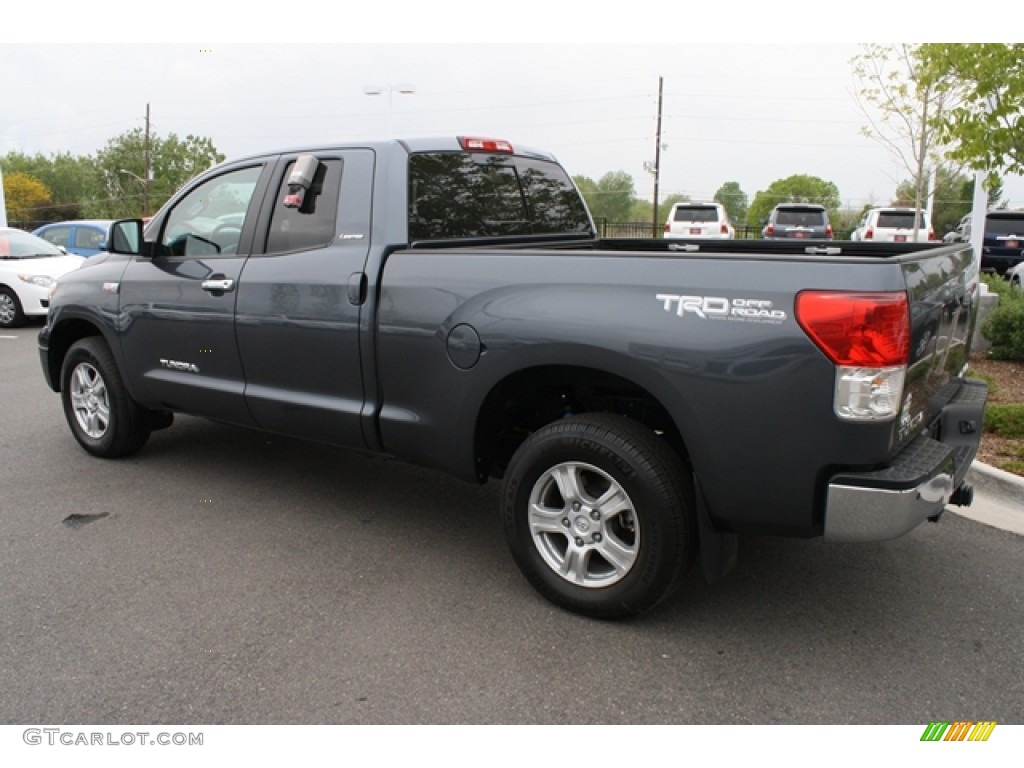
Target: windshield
{"type": "Point", "coordinates": [15, 244]}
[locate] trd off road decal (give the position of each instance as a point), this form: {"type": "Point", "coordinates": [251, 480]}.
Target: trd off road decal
{"type": "Point", "coordinates": [721, 308]}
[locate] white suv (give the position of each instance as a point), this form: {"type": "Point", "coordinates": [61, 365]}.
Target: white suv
{"type": "Point", "coordinates": [699, 220]}
{"type": "Point", "coordinates": [893, 225]}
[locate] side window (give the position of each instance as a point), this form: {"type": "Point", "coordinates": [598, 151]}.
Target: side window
{"type": "Point", "coordinates": [208, 221]}
{"type": "Point", "coordinates": [89, 238]}
{"type": "Point", "coordinates": [57, 235]}
{"type": "Point", "coordinates": [312, 224]}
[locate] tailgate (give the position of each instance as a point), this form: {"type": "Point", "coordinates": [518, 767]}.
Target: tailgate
{"type": "Point", "coordinates": [941, 321]}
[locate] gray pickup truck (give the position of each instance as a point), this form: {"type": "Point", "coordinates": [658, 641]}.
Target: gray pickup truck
{"type": "Point", "coordinates": [448, 302]}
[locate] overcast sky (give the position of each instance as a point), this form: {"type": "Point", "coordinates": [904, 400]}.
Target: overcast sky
{"type": "Point", "coordinates": [735, 108]}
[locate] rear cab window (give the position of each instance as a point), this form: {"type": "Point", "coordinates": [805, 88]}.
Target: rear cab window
{"type": "Point", "coordinates": [456, 195]}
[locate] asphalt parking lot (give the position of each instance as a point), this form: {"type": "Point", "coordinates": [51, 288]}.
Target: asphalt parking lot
{"type": "Point", "coordinates": [224, 576]}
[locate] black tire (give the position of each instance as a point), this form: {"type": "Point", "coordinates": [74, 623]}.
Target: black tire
{"type": "Point", "coordinates": [102, 416]}
{"type": "Point", "coordinates": [11, 313]}
{"type": "Point", "coordinates": [599, 515]}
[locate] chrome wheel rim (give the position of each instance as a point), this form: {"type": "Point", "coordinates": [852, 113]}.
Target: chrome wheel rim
{"type": "Point", "coordinates": [89, 401]}
{"type": "Point", "coordinates": [7, 308]}
{"type": "Point", "coordinates": [584, 525]}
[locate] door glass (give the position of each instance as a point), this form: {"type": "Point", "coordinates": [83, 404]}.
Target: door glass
{"type": "Point", "coordinates": [311, 225]}
{"type": "Point", "coordinates": [57, 235]}
{"type": "Point", "coordinates": [208, 221]}
{"type": "Point", "coordinates": [89, 238]}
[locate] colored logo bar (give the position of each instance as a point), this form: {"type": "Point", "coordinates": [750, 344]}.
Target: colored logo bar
{"type": "Point", "coordinates": [958, 730]}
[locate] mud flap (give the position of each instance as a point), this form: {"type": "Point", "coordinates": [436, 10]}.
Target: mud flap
{"type": "Point", "coordinates": [718, 550]}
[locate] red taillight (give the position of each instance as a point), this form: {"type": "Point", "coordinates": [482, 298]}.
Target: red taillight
{"type": "Point", "coordinates": [668, 228]}
{"type": "Point", "coordinates": [473, 144]}
{"type": "Point", "coordinates": [828, 231]}
{"type": "Point", "coordinates": [931, 235]}
{"type": "Point", "coordinates": [725, 229]}
{"type": "Point", "coordinates": [869, 234]}
{"type": "Point", "coordinates": [857, 329]}
{"type": "Point", "coordinates": [770, 230]}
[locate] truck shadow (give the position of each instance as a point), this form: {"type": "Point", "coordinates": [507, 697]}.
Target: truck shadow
{"type": "Point", "coordinates": [806, 588]}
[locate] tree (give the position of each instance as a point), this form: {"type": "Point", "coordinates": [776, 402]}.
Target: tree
{"type": "Point", "coordinates": [71, 181]}
{"type": "Point", "coordinates": [985, 129]}
{"type": "Point", "coordinates": [793, 189]}
{"type": "Point", "coordinates": [904, 106]}
{"type": "Point", "coordinates": [588, 189]}
{"type": "Point", "coordinates": [643, 210]}
{"type": "Point", "coordinates": [614, 196]}
{"type": "Point", "coordinates": [26, 197]}
{"type": "Point", "coordinates": [954, 197]}
{"type": "Point", "coordinates": [121, 166]}
{"type": "Point", "coordinates": [735, 201]}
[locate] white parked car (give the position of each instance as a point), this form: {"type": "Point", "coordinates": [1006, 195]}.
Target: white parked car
{"type": "Point", "coordinates": [893, 225]}
{"type": "Point", "coordinates": [699, 220]}
{"type": "Point", "coordinates": [28, 267]}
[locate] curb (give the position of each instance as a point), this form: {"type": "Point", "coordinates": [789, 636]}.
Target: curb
{"type": "Point", "coordinates": [1003, 486]}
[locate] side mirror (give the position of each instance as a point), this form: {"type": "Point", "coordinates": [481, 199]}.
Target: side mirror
{"type": "Point", "coordinates": [126, 237]}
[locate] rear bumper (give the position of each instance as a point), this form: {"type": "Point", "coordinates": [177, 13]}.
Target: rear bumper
{"type": "Point", "coordinates": [1000, 263]}
{"type": "Point", "coordinates": [917, 484]}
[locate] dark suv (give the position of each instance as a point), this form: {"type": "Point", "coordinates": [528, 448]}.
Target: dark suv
{"type": "Point", "coordinates": [798, 220]}
{"type": "Point", "coordinates": [1004, 241]}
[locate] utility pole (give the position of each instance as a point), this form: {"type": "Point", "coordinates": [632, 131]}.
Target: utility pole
{"type": "Point", "coordinates": [657, 164]}
{"type": "Point", "coordinates": [148, 171]}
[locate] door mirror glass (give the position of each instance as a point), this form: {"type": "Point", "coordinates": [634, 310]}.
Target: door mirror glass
{"type": "Point", "coordinates": [126, 236]}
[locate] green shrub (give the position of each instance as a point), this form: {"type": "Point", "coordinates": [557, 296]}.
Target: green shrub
{"type": "Point", "coordinates": [1004, 326]}
{"type": "Point", "coordinates": [997, 285]}
{"type": "Point", "coordinates": [1004, 419]}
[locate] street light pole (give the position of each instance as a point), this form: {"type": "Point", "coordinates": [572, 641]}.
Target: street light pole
{"type": "Point", "coordinates": [390, 90]}
{"type": "Point", "coordinates": [145, 188]}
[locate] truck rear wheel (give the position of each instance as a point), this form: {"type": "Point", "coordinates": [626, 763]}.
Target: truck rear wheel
{"type": "Point", "coordinates": [599, 515]}
{"type": "Point", "coordinates": [102, 416]}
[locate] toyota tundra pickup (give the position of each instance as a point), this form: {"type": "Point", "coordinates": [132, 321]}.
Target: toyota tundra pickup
{"type": "Point", "coordinates": [448, 302]}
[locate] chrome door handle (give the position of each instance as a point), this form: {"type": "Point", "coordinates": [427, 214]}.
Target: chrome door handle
{"type": "Point", "coordinates": [218, 286]}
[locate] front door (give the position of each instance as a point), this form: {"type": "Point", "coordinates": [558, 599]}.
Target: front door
{"type": "Point", "coordinates": [177, 307]}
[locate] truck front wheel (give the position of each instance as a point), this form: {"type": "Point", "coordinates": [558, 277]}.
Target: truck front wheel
{"type": "Point", "coordinates": [598, 513]}
{"type": "Point", "coordinates": [102, 416]}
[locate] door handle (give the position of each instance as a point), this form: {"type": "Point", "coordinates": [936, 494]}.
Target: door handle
{"type": "Point", "coordinates": [219, 285]}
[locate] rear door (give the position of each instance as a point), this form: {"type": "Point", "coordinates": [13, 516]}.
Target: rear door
{"type": "Point", "coordinates": [300, 299]}
{"type": "Point", "coordinates": [177, 307]}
